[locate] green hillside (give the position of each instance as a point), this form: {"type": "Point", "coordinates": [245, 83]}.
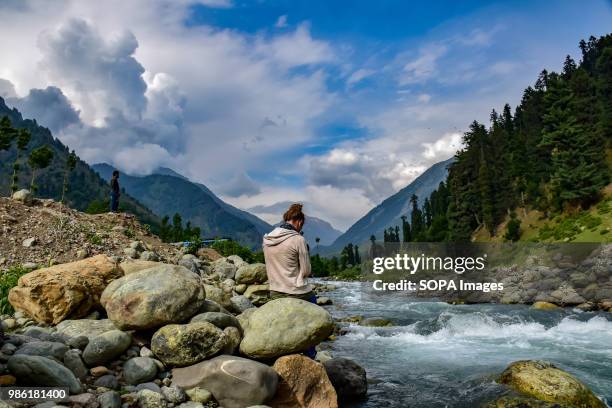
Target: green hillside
{"type": "Point", "coordinates": [85, 186]}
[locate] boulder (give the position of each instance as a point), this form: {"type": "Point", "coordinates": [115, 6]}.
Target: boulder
{"type": "Point", "coordinates": [567, 295]}
{"type": "Point", "coordinates": [185, 344]}
{"type": "Point", "coordinates": [241, 303]}
{"type": "Point", "coordinates": [243, 317]}
{"type": "Point", "coordinates": [233, 337]}
{"type": "Point", "coordinates": [85, 327]}
{"type": "Point", "coordinates": [174, 394]}
{"type": "Point", "coordinates": [258, 294]}
{"type": "Point", "coordinates": [285, 326]}
{"type": "Point", "coordinates": [109, 399]}
{"type": "Point", "coordinates": [139, 369]}
{"type": "Point", "coordinates": [217, 295]}
{"type": "Point", "coordinates": [50, 349]}
{"type": "Point", "coordinates": [221, 320]}
{"type": "Point", "coordinates": [250, 274]}
{"type": "Point", "coordinates": [237, 260]}
{"type": "Point", "coordinates": [235, 382]}
{"type": "Point", "coordinates": [211, 306]}
{"type": "Point", "coordinates": [106, 347]}
{"type": "Point", "coordinates": [53, 294]}
{"type": "Point", "coordinates": [149, 256]}
{"type": "Point", "coordinates": [153, 297]}
{"type": "Point", "coordinates": [208, 254]}
{"type": "Point", "coordinates": [545, 306]}
{"type": "Point", "coordinates": [74, 362]}
{"type": "Point", "coordinates": [24, 196]}
{"type": "Point", "coordinates": [303, 383]}
{"type": "Point", "coordinates": [150, 399]}
{"type": "Point", "coordinates": [107, 381]}
{"type": "Point", "coordinates": [136, 265]}
{"type": "Point", "coordinates": [224, 268]}
{"type": "Point", "coordinates": [198, 394]}
{"type": "Point", "coordinates": [543, 381]}
{"type": "Point", "coordinates": [42, 371]}
{"type": "Point", "coordinates": [347, 377]}
{"type": "Point", "coordinates": [522, 402]}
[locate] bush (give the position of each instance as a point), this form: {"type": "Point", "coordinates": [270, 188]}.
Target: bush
{"type": "Point", "coordinates": [229, 247]}
{"type": "Point", "coordinates": [8, 280]}
{"type": "Point", "coordinates": [513, 229]}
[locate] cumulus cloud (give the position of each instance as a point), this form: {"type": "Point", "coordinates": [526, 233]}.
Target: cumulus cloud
{"type": "Point", "coordinates": [443, 148]}
{"type": "Point", "coordinates": [7, 89]}
{"type": "Point", "coordinates": [241, 185]}
{"type": "Point", "coordinates": [48, 106]}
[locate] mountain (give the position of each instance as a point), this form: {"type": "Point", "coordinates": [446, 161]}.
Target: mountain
{"type": "Point", "coordinates": [85, 186]}
{"type": "Point", "coordinates": [388, 212]}
{"type": "Point", "coordinates": [313, 228]}
{"type": "Point", "coordinates": [167, 192]}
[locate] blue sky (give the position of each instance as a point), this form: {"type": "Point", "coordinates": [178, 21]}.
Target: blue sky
{"type": "Point", "coordinates": [337, 104]}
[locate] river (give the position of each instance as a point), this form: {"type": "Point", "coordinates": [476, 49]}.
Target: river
{"type": "Point", "coordinates": [441, 355]}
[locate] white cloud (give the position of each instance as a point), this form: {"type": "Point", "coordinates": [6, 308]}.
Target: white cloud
{"type": "Point", "coordinates": [424, 98]}
{"type": "Point", "coordinates": [443, 148]}
{"type": "Point", "coordinates": [424, 66]}
{"type": "Point", "coordinates": [281, 22]}
{"type": "Point", "coordinates": [358, 75]}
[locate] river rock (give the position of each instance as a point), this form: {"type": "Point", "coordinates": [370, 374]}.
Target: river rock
{"type": "Point", "coordinates": [153, 297]}
{"type": "Point", "coordinates": [543, 381]}
{"type": "Point", "coordinates": [545, 306]}
{"type": "Point", "coordinates": [566, 295]}
{"type": "Point", "coordinates": [375, 322]}
{"type": "Point", "coordinates": [109, 399]}
{"type": "Point", "coordinates": [233, 337]}
{"type": "Point", "coordinates": [53, 294]}
{"type": "Point", "coordinates": [347, 377]}
{"type": "Point", "coordinates": [237, 260]}
{"type": "Point", "coordinates": [285, 326]}
{"type": "Point", "coordinates": [42, 371]}
{"type": "Point", "coordinates": [174, 394]}
{"type": "Point", "coordinates": [107, 381]}
{"type": "Point", "coordinates": [235, 382]}
{"type": "Point", "coordinates": [150, 399]}
{"type": "Point", "coordinates": [106, 347]}
{"type": "Point", "coordinates": [224, 268]}
{"type": "Point", "coordinates": [221, 320]}
{"type": "Point", "coordinates": [185, 344]}
{"type": "Point", "coordinates": [217, 295]}
{"type": "Point", "coordinates": [85, 327]}
{"type": "Point", "coordinates": [139, 369]}
{"type": "Point", "coordinates": [303, 383]}
{"type": "Point", "coordinates": [211, 306]}
{"type": "Point", "coordinates": [241, 303]}
{"type": "Point", "coordinates": [250, 274]}
{"type": "Point", "coordinates": [243, 318]}
{"type": "Point", "coordinates": [136, 265]}
{"type": "Point", "coordinates": [199, 394]}
{"type": "Point", "coordinates": [523, 402]}
{"type": "Point", "coordinates": [49, 349]}
{"type": "Point", "coordinates": [74, 362]}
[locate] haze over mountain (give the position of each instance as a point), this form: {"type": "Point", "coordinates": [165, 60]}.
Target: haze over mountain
{"type": "Point", "coordinates": [167, 192]}
{"type": "Point", "coordinates": [388, 212]}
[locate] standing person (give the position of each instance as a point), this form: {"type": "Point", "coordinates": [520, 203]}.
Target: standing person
{"type": "Point", "coordinates": [287, 259]}
{"type": "Point", "coordinates": [115, 191]}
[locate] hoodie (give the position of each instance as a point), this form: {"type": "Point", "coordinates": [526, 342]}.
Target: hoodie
{"type": "Point", "coordinates": [287, 261]}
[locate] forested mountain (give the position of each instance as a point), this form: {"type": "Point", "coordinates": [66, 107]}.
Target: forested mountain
{"type": "Point", "coordinates": [85, 187]}
{"type": "Point", "coordinates": [389, 212]}
{"type": "Point", "coordinates": [167, 192]}
{"type": "Point", "coordinates": [552, 154]}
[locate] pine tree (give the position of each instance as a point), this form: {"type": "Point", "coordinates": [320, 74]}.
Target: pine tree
{"type": "Point", "coordinates": [357, 256]}
{"type": "Point", "coordinates": [39, 159]}
{"type": "Point", "coordinates": [71, 162]}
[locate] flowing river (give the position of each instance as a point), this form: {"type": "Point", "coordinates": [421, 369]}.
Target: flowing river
{"type": "Point", "coordinates": [440, 355]}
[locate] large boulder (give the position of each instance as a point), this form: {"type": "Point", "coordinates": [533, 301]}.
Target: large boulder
{"type": "Point", "coordinates": [50, 349]}
{"type": "Point", "coordinates": [50, 295]}
{"type": "Point", "coordinates": [85, 327]}
{"type": "Point", "coordinates": [235, 382]}
{"type": "Point", "coordinates": [285, 326]}
{"type": "Point", "coordinates": [258, 294]}
{"type": "Point", "coordinates": [153, 297]}
{"type": "Point", "coordinates": [347, 377]}
{"type": "Point", "coordinates": [106, 347]}
{"type": "Point", "coordinates": [185, 344]}
{"type": "Point", "coordinates": [303, 383]}
{"type": "Point", "coordinates": [136, 265]}
{"type": "Point", "coordinates": [24, 196]}
{"type": "Point", "coordinates": [543, 381]}
{"type": "Point", "coordinates": [42, 371]}
{"type": "Point", "coordinates": [224, 268]}
{"type": "Point", "coordinates": [250, 274]}
{"type": "Point", "coordinates": [219, 319]}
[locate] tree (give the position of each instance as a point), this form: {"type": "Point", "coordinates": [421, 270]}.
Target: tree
{"type": "Point", "coordinates": [513, 228]}
{"type": "Point", "coordinates": [7, 133]}
{"type": "Point", "coordinates": [23, 139]}
{"type": "Point", "coordinates": [357, 256]}
{"type": "Point", "coordinates": [71, 162]}
{"type": "Point", "coordinates": [317, 240]}
{"type": "Point", "coordinates": [39, 159]}
{"type": "Point", "coordinates": [177, 227]}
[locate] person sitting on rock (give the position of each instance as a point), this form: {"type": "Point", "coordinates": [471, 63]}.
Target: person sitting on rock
{"type": "Point", "coordinates": [287, 258]}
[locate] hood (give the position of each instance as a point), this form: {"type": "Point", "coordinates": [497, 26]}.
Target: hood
{"type": "Point", "coordinates": [278, 235]}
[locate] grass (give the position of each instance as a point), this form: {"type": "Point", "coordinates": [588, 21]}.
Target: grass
{"type": "Point", "coordinates": [8, 280]}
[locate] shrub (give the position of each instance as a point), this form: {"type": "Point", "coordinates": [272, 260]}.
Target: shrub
{"type": "Point", "coordinates": [229, 247]}
{"type": "Point", "coordinates": [8, 280]}
{"type": "Point", "coordinates": [513, 228]}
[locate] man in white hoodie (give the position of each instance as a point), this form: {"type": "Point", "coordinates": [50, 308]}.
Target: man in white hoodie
{"type": "Point", "coordinates": [287, 258]}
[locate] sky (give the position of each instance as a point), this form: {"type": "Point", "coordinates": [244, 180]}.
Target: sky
{"type": "Point", "coordinates": [332, 103]}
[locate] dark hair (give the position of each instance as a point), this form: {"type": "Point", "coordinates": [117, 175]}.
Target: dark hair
{"type": "Point", "coordinates": [115, 173]}
{"type": "Point", "coordinates": [294, 213]}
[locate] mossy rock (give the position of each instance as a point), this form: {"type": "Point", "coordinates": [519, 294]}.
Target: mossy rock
{"type": "Point", "coordinates": [543, 381]}
{"type": "Point", "coordinates": [523, 402]}
{"type": "Point", "coordinates": [545, 306]}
